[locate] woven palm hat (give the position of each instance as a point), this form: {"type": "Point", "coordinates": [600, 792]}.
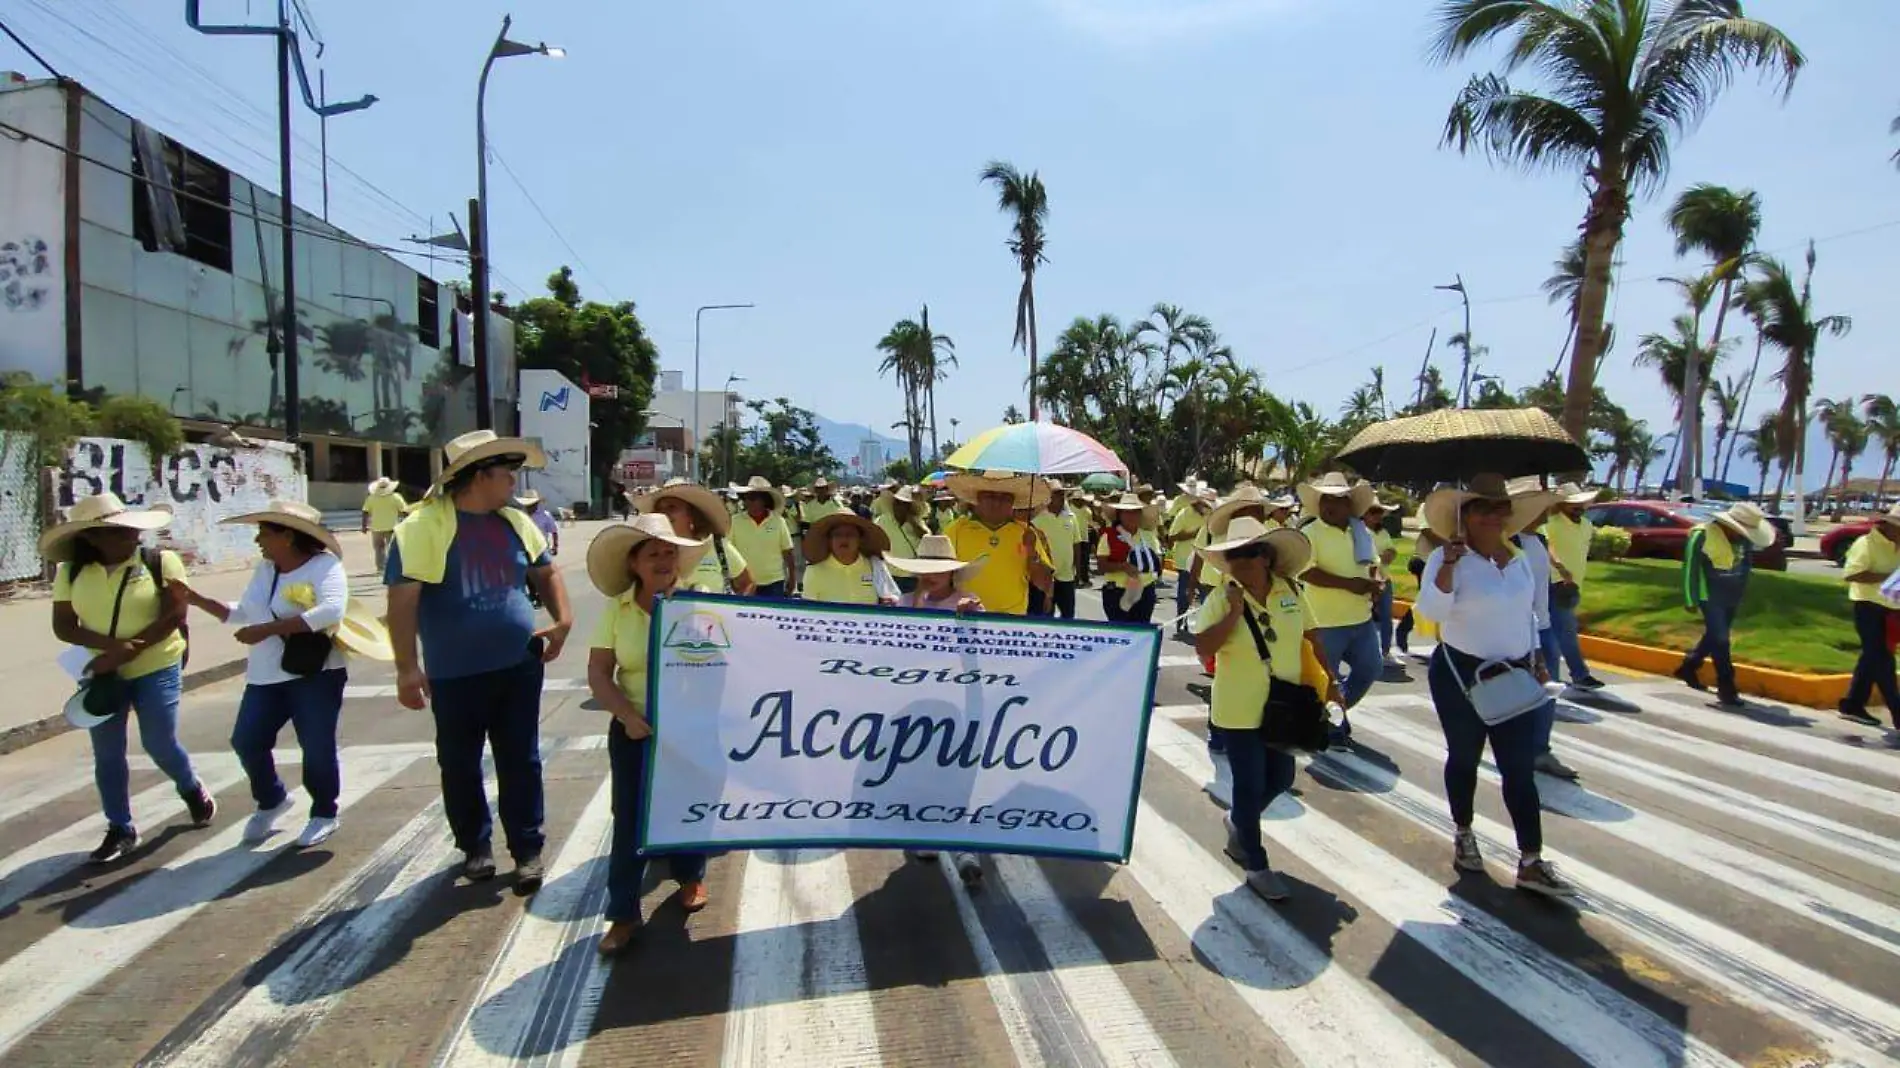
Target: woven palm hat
{"type": "Point", "coordinates": [1291, 551]}
{"type": "Point", "coordinates": [99, 510]}
{"type": "Point", "coordinates": [1747, 521]}
{"type": "Point", "coordinates": [936, 556]}
{"type": "Point", "coordinates": [1441, 510]}
{"type": "Point", "coordinates": [1029, 492]}
{"type": "Point", "coordinates": [607, 555]}
{"type": "Point", "coordinates": [873, 540]}
{"type": "Point", "coordinates": [292, 515]}
{"type": "Point", "coordinates": [712, 511]}
{"type": "Point", "coordinates": [467, 450]}
{"type": "Point", "coordinates": [1336, 484]}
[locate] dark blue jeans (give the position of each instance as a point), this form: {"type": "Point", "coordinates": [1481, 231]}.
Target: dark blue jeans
{"type": "Point", "coordinates": [1261, 773]}
{"type": "Point", "coordinates": [1563, 626]}
{"type": "Point", "coordinates": [1874, 670]}
{"type": "Point", "coordinates": [626, 868]}
{"type": "Point", "coordinates": [155, 701]}
{"type": "Point", "coordinates": [311, 706]}
{"type": "Point", "coordinates": [501, 709]}
{"type": "Point", "coordinates": [1143, 610]}
{"type": "Point", "coordinates": [1357, 647]}
{"type": "Point", "coordinates": [1382, 618]}
{"type": "Point", "coordinates": [1183, 590]}
{"type": "Point", "coordinates": [1718, 621]}
{"type": "Point", "coordinates": [1514, 747]}
{"type": "Point", "coordinates": [772, 591]}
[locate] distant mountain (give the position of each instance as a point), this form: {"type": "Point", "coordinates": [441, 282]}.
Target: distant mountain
{"type": "Point", "coordinates": [843, 440]}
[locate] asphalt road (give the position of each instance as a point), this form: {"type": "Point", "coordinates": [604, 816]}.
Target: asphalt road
{"type": "Point", "coordinates": [1741, 906]}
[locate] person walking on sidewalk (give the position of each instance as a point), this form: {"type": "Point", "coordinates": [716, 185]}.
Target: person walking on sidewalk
{"type": "Point", "coordinates": [1530, 542]}
{"type": "Point", "coordinates": [1716, 562]}
{"type": "Point", "coordinates": [763, 535]}
{"type": "Point", "coordinates": [1190, 518]}
{"type": "Point", "coordinates": [1342, 583]}
{"type": "Point", "coordinates": [1480, 591]}
{"type": "Point", "coordinates": [634, 565]}
{"type": "Point", "coordinates": [294, 673]}
{"type": "Point", "coordinates": [1568, 531]}
{"type": "Point", "coordinates": [383, 508]}
{"type": "Point", "coordinates": [1873, 559]}
{"type": "Point", "coordinates": [698, 515]}
{"type": "Point", "coordinates": [544, 521]}
{"type": "Point", "coordinates": [128, 606]}
{"type": "Point", "coordinates": [1386, 553]}
{"type": "Point", "coordinates": [458, 577]}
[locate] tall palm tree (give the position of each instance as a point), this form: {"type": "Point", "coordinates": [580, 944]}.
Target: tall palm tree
{"type": "Point", "coordinates": [1622, 81]}
{"type": "Point", "coordinates": [1763, 446]}
{"type": "Point", "coordinates": [1722, 224]}
{"type": "Point", "coordinates": [935, 356]}
{"type": "Point", "coordinates": [1847, 435]}
{"type": "Point", "coordinates": [902, 348]}
{"type": "Point", "coordinates": [1646, 452]}
{"type": "Point", "coordinates": [1727, 394]}
{"type": "Point", "coordinates": [1023, 197]}
{"type": "Point", "coordinates": [1672, 355]}
{"type": "Point", "coordinates": [1883, 429]}
{"type": "Point", "coordinates": [1785, 317]}
{"type": "Point", "coordinates": [1566, 284]}
{"type": "Point", "coordinates": [1171, 330]}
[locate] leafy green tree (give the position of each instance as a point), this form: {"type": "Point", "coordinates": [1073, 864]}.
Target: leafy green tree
{"type": "Point", "coordinates": [1623, 81]}
{"type": "Point", "coordinates": [779, 441]}
{"type": "Point", "coordinates": [918, 359]}
{"type": "Point", "coordinates": [901, 471]}
{"type": "Point", "coordinates": [1023, 198]}
{"type": "Point", "coordinates": [588, 341]}
{"type": "Point", "coordinates": [1012, 415]}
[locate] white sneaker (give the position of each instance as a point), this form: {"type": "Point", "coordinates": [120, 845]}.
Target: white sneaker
{"type": "Point", "coordinates": [316, 832]}
{"type": "Point", "coordinates": [263, 822]}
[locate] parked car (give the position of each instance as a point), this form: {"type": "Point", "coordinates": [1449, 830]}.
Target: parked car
{"type": "Point", "coordinates": [1659, 529]}
{"type": "Point", "coordinates": [1836, 542]}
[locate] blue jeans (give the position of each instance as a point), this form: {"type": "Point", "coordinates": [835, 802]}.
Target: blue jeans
{"type": "Point", "coordinates": [1142, 611]}
{"type": "Point", "coordinates": [155, 702]}
{"type": "Point", "coordinates": [1718, 621]}
{"type": "Point", "coordinates": [771, 591]}
{"type": "Point", "coordinates": [1183, 591]}
{"type": "Point", "coordinates": [626, 867]}
{"type": "Point", "coordinates": [311, 706]}
{"type": "Point", "coordinates": [1357, 647]}
{"type": "Point", "coordinates": [1261, 773]}
{"type": "Point", "coordinates": [1874, 670]}
{"type": "Point", "coordinates": [1513, 747]}
{"type": "Point", "coordinates": [1563, 626]}
{"type": "Point", "coordinates": [502, 709]}
{"type": "Point", "coordinates": [1382, 618]}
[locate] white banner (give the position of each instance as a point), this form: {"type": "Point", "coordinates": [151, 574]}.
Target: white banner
{"type": "Point", "coordinates": [780, 724]}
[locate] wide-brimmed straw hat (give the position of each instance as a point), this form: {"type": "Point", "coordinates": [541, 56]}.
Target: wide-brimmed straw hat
{"type": "Point", "coordinates": [467, 450]}
{"type": "Point", "coordinates": [936, 556]}
{"type": "Point", "coordinates": [1291, 551]}
{"type": "Point", "coordinates": [1029, 492]}
{"type": "Point", "coordinates": [607, 556]}
{"type": "Point", "coordinates": [528, 498]}
{"type": "Point", "coordinates": [382, 487]}
{"type": "Point", "coordinates": [1441, 510]}
{"type": "Point", "coordinates": [694, 496]}
{"type": "Point", "coordinates": [819, 483]}
{"type": "Point", "coordinates": [1746, 520]}
{"type": "Point", "coordinates": [1127, 502]}
{"type": "Point", "coordinates": [1244, 496]}
{"type": "Point", "coordinates": [362, 634]}
{"type": "Point", "coordinates": [1335, 484]}
{"type": "Point", "coordinates": [1571, 493]}
{"type": "Point", "coordinates": [873, 540]}
{"type": "Point", "coordinates": [1889, 518]}
{"type": "Point", "coordinates": [760, 484]}
{"type": "Point", "coordinates": [291, 515]}
{"type": "Point", "coordinates": [99, 510]}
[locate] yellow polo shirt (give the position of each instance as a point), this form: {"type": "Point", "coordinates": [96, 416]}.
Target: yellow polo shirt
{"type": "Point", "coordinates": [384, 511]}
{"type": "Point", "coordinates": [623, 628]}
{"type": "Point", "coordinates": [1063, 532]}
{"type": "Point", "coordinates": [1569, 543]}
{"type": "Point", "coordinates": [706, 577]}
{"type": "Point", "coordinates": [1003, 583]}
{"type": "Point", "coordinates": [1189, 521]}
{"type": "Point", "coordinates": [904, 540]}
{"type": "Point", "coordinates": [1241, 678]}
{"type": "Point", "coordinates": [764, 545]}
{"type": "Point", "coordinates": [1871, 552]}
{"type": "Point", "coordinates": [810, 512]}
{"type": "Point", "coordinates": [93, 590]}
{"type": "Point", "coordinates": [829, 580]}
{"type": "Point", "coordinates": [1332, 553]}
{"type": "Point", "coordinates": [1382, 544]}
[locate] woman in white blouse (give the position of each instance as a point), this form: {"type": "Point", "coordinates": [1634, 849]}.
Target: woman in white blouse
{"type": "Point", "coordinates": [295, 673]}
{"type": "Point", "coordinates": [1482, 592]}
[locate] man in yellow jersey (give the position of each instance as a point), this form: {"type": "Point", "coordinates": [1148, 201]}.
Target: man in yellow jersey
{"type": "Point", "coordinates": [821, 504]}
{"type": "Point", "coordinates": [763, 536]}
{"type": "Point", "coordinates": [1190, 516]}
{"type": "Point", "coordinates": [899, 515]}
{"type": "Point", "coordinates": [1015, 557]}
{"type": "Point", "coordinates": [1872, 561]}
{"type": "Point", "coordinates": [383, 508]}
{"type": "Point", "coordinates": [1568, 531]}
{"type": "Point", "coordinates": [1343, 582]}
{"type": "Point", "coordinates": [1061, 530]}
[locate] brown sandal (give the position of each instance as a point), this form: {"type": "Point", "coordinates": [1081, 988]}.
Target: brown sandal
{"type": "Point", "coordinates": [620, 935]}
{"type": "Point", "coordinates": [693, 897]}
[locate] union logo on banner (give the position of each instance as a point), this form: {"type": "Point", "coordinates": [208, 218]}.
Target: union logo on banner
{"type": "Point", "coordinates": [700, 638]}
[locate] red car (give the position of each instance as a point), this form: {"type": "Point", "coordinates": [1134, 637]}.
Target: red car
{"type": "Point", "coordinates": [1836, 542]}
{"type": "Point", "coordinates": [1660, 529]}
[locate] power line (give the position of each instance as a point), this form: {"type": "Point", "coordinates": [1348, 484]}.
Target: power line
{"type": "Point", "coordinates": [582, 264]}
{"type": "Point", "coordinates": [28, 49]}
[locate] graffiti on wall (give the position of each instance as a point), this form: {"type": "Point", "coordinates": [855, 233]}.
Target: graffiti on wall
{"type": "Point", "coordinates": [26, 274]}
{"type": "Point", "coordinates": [203, 485]}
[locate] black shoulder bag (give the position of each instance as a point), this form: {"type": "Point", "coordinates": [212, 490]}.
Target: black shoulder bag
{"type": "Point", "coordinates": [1294, 716]}
{"type": "Point", "coordinates": [108, 695]}
{"type": "Point", "coordinates": [725, 569]}
{"type": "Point", "coordinates": [305, 653]}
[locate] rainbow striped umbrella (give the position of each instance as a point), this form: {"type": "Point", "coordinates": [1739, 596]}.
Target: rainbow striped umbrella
{"type": "Point", "coordinates": [1036, 449]}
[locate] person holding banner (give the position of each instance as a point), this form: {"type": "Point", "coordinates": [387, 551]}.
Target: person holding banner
{"type": "Point", "coordinates": [844, 561]}
{"type": "Point", "coordinates": [1254, 625]}
{"type": "Point", "coordinates": [634, 564]}
{"type": "Point", "coordinates": [697, 514]}
{"type": "Point", "coordinates": [1130, 556]}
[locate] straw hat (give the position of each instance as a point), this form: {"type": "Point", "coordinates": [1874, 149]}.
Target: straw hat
{"type": "Point", "coordinates": [936, 556]}
{"type": "Point", "coordinates": [1746, 520]}
{"type": "Point", "coordinates": [528, 498]}
{"type": "Point", "coordinates": [1571, 493]}
{"type": "Point", "coordinates": [362, 634]}
{"type": "Point", "coordinates": [1291, 551]}
{"type": "Point", "coordinates": [872, 538]}
{"type": "Point", "coordinates": [1030, 492]}
{"type": "Point", "coordinates": [382, 487]}
{"type": "Point", "coordinates": [759, 484]}
{"type": "Point", "coordinates": [820, 483]}
{"type": "Point", "coordinates": [100, 510]}
{"type": "Point", "coordinates": [472, 448]}
{"type": "Point", "coordinates": [698, 498]}
{"type": "Point", "coordinates": [291, 515]}
{"type": "Point", "coordinates": [607, 555]}
{"type": "Point", "coordinates": [1335, 484]}
{"type": "Point", "coordinates": [1889, 518]}
{"type": "Point", "coordinates": [1441, 510]}
{"type": "Point", "coordinates": [1127, 502]}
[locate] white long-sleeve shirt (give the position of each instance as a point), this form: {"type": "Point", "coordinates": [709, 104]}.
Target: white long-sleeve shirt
{"type": "Point", "coordinates": [1537, 554]}
{"type": "Point", "coordinates": [1491, 612]}
{"type": "Point", "coordinates": [324, 574]}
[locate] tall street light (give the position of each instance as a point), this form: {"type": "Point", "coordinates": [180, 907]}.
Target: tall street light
{"type": "Point", "coordinates": [1464, 376]}
{"type": "Point", "coordinates": [731, 431]}
{"type": "Point", "coordinates": [478, 214]}
{"type": "Point", "coordinates": [697, 314]}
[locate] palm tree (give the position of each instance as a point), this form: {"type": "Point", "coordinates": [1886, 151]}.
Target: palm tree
{"type": "Point", "coordinates": [1023, 197]}
{"type": "Point", "coordinates": [1721, 223]}
{"type": "Point", "coordinates": [1883, 428]}
{"type": "Point", "coordinates": [1727, 393]}
{"type": "Point", "coordinates": [1646, 452]}
{"type": "Point", "coordinates": [1566, 284]}
{"type": "Point", "coordinates": [1361, 407]}
{"type": "Point", "coordinates": [1673, 355]}
{"type": "Point", "coordinates": [1174, 330]}
{"type": "Point", "coordinates": [1840, 419]}
{"type": "Point", "coordinates": [1763, 446]}
{"type": "Point", "coordinates": [902, 347]}
{"type": "Point", "coordinates": [1785, 318]}
{"type": "Point", "coordinates": [934, 361]}
{"type": "Point", "coordinates": [1623, 82]}
{"type": "Point", "coordinates": [1301, 437]}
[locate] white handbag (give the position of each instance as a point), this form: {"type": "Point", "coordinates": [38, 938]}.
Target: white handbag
{"type": "Point", "coordinates": [1502, 695]}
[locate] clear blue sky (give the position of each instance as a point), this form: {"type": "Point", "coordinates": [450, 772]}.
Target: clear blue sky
{"type": "Point", "coordinates": [1272, 164]}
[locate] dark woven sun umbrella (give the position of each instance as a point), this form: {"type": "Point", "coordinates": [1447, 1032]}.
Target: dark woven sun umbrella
{"type": "Point", "coordinates": [1452, 444]}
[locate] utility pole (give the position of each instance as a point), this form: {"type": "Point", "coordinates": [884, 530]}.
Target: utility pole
{"type": "Point", "coordinates": [293, 421]}
{"type": "Point", "coordinates": [1464, 375]}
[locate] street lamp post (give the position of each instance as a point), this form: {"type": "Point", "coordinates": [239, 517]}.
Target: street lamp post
{"type": "Point", "coordinates": [478, 215]}
{"type": "Point", "coordinates": [731, 431]}
{"type": "Point", "coordinates": [697, 314]}
{"type": "Point", "coordinates": [1464, 375]}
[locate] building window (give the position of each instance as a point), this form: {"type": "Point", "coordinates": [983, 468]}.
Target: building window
{"type": "Point", "coordinates": [203, 203]}
{"type": "Point", "coordinates": [428, 317]}
{"type": "Point", "coordinates": [348, 463]}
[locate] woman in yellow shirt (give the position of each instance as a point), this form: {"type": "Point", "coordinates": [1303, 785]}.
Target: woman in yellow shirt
{"type": "Point", "coordinates": [697, 514]}
{"type": "Point", "coordinates": [900, 516]}
{"type": "Point", "coordinates": [1254, 625]}
{"type": "Point", "coordinates": [107, 599]}
{"type": "Point", "coordinates": [634, 564]}
{"type": "Point", "coordinates": [844, 562]}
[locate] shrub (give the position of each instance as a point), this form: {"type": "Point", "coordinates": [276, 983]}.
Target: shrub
{"type": "Point", "coordinates": [1609, 543]}
{"type": "Point", "coordinates": [43, 412]}
{"type": "Point", "coordinates": [143, 420]}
